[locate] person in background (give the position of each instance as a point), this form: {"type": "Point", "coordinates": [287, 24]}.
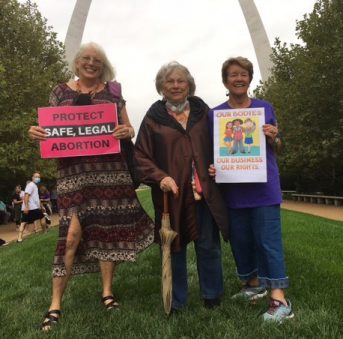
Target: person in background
{"type": "Point", "coordinates": [44, 196]}
{"type": "Point", "coordinates": [53, 198]}
{"type": "Point", "coordinates": [17, 201]}
{"type": "Point", "coordinates": [254, 208]}
{"type": "Point", "coordinates": [4, 215]}
{"type": "Point", "coordinates": [3, 242]}
{"type": "Point", "coordinates": [32, 210]}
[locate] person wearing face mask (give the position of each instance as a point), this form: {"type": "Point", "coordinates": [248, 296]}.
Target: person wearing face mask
{"type": "Point", "coordinates": [31, 207]}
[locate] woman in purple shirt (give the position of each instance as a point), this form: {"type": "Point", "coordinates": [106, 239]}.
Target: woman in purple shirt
{"type": "Point", "coordinates": [255, 229]}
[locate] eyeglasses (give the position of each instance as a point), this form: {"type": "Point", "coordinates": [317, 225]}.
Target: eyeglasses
{"type": "Point", "coordinates": [236, 75]}
{"type": "Point", "coordinates": [89, 59]}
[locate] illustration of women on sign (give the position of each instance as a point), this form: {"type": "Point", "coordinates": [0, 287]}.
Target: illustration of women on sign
{"type": "Point", "coordinates": [228, 136]}
{"type": "Point", "coordinates": [249, 129]}
{"type": "Point", "coordinates": [238, 136]}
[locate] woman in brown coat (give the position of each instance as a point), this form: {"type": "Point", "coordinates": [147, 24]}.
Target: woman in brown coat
{"type": "Point", "coordinates": [173, 153]}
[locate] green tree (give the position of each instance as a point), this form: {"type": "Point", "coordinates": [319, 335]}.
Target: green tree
{"type": "Point", "coordinates": [31, 63]}
{"type": "Point", "coordinates": [307, 92]}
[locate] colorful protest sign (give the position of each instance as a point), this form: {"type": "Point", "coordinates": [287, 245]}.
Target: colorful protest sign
{"type": "Point", "coordinates": [75, 131]}
{"type": "Point", "coordinates": [240, 145]}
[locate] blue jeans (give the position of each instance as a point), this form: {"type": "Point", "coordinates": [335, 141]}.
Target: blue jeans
{"type": "Point", "coordinates": [209, 261]}
{"type": "Point", "coordinates": [255, 237]}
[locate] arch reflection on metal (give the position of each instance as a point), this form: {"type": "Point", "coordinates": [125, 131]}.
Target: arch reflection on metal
{"type": "Point", "coordinates": [75, 29]}
{"type": "Point", "coordinates": [259, 37]}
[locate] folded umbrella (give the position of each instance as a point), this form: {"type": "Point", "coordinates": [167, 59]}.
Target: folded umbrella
{"type": "Point", "coordinates": [167, 236]}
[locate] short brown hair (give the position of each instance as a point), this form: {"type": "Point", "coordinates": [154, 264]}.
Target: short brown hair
{"type": "Point", "coordinates": [240, 61]}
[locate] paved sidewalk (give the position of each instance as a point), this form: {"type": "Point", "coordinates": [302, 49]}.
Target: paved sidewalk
{"type": "Point", "coordinates": [8, 232]}
{"type": "Point", "coordinates": [320, 210]}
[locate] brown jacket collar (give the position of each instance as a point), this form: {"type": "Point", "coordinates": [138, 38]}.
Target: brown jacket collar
{"type": "Point", "coordinates": [158, 112]}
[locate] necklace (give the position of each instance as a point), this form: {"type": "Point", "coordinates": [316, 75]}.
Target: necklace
{"type": "Point", "coordinates": [93, 90]}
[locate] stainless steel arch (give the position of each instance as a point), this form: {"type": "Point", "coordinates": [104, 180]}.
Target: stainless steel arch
{"type": "Point", "coordinates": [258, 36]}
{"type": "Point", "coordinates": [255, 25]}
{"type": "Point", "coordinates": [75, 29]}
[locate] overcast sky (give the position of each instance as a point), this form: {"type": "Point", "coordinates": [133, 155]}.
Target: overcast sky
{"type": "Point", "coordinates": [141, 35]}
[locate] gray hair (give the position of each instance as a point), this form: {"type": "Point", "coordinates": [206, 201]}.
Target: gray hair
{"type": "Point", "coordinates": [108, 72]}
{"type": "Point", "coordinates": [168, 68]}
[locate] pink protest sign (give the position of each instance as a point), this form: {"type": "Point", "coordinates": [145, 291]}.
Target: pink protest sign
{"type": "Point", "coordinates": [75, 131]}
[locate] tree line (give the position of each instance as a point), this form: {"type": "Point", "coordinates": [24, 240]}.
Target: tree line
{"type": "Point", "coordinates": [305, 88]}
{"type": "Point", "coordinates": [31, 63]}
{"type": "Point", "coordinates": [307, 92]}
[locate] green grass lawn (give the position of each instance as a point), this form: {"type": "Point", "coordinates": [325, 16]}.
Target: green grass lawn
{"type": "Point", "coordinates": [314, 257]}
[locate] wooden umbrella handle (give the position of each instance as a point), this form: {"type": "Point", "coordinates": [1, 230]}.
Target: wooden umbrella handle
{"type": "Point", "coordinates": [165, 202]}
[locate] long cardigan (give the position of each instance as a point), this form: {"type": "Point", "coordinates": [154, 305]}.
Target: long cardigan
{"type": "Point", "coordinates": [164, 148]}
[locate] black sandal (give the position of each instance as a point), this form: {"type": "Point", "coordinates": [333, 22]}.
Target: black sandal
{"type": "Point", "coordinates": [112, 304]}
{"type": "Point", "coordinates": [50, 320]}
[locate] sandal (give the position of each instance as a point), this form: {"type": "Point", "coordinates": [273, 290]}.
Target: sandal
{"type": "Point", "coordinates": [50, 320]}
{"type": "Point", "coordinates": [112, 304]}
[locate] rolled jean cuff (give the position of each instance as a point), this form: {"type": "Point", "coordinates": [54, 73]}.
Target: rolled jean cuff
{"type": "Point", "coordinates": [212, 296]}
{"type": "Point", "coordinates": [178, 306]}
{"type": "Point", "coordinates": [274, 283]}
{"type": "Point", "coordinates": [248, 276]}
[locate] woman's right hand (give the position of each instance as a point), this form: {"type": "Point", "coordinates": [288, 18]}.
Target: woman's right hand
{"type": "Point", "coordinates": [212, 171]}
{"type": "Point", "coordinates": [37, 133]}
{"type": "Point", "coordinates": [168, 184]}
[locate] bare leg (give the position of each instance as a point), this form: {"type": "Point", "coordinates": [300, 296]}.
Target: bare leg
{"type": "Point", "coordinates": [107, 269]}
{"type": "Point", "coordinates": [229, 147]}
{"type": "Point", "coordinates": [36, 226]}
{"type": "Point", "coordinates": [21, 231]}
{"type": "Point", "coordinates": [59, 284]}
{"type": "Point", "coordinates": [278, 294]}
{"type": "Point", "coordinates": [43, 224]}
{"type": "Point", "coordinates": [253, 282]}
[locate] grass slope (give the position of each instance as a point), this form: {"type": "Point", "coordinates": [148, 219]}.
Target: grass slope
{"type": "Point", "coordinates": [314, 256]}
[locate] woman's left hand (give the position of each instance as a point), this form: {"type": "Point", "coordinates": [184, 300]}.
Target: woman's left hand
{"type": "Point", "coordinates": [123, 132]}
{"type": "Point", "coordinates": [271, 132]}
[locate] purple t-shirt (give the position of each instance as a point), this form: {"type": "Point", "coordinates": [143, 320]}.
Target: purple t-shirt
{"type": "Point", "coordinates": [246, 195]}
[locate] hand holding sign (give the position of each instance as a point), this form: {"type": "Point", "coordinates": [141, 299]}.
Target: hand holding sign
{"type": "Point", "coordinates": [212, 171]}
{"type": "Point", "coordinates": [37, 133]}
{"type": "Point", "coordinates": [270, 132]}
{"type": "Point", "coordinates": [123, 132]}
